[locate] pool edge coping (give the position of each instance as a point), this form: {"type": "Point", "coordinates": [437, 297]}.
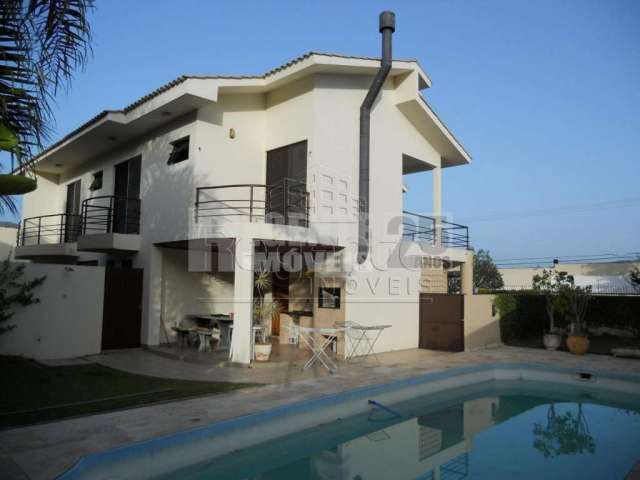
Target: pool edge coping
{"type": "Point", "coordinates": [298, 407]}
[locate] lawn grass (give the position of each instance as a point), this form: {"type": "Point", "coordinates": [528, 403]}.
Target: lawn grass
{"type": "Point", "coordinates": [33, 393]}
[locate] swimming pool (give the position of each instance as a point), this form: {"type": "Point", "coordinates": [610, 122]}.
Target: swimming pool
{"type": "Point", "coordinates": [494, 421]}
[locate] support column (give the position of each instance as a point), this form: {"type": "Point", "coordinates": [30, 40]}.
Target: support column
{"type": "Point", "coordinates": [437, 202]}
{"type": "Point", "coordinates": [466, 288]}
{"type": "Point", "coordinates": [467, 273]}
{"type": "Point", "coordinates": [241, 345]}
{"type": "Point", "coordinates": [152, 331]}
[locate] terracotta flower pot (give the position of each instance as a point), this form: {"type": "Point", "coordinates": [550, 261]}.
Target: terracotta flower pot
{"type": "Point", "coordinates": [578, 344]}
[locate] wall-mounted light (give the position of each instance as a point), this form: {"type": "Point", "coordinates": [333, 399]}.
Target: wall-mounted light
{"type": "Point", "coordinates": [111, 138]}
{"type": "Point", "coordinates": [232, 133]}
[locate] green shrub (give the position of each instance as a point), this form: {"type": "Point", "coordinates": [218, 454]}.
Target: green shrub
{"type": "Point", "coordinates": [523, 314]}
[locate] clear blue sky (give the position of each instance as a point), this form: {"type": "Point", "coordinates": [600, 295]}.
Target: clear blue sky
{"type": "Point", "coordinates": [545, 96]}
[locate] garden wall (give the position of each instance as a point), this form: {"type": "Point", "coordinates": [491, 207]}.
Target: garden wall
{"type": "Point", "coordinates": [68, 320]}
{"type": "Point", "coordinates": [481, 322]}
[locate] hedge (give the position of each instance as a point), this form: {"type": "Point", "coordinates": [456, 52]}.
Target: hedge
{"type": "Point", "coordinates": [523, 315]}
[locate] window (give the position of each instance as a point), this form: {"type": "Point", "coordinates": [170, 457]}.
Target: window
{"type": "Point", "coordinates": [96, 183]}
{"type": "Point", "coordinates": [329, 297]}
{"type": "Point", "coordinates": [179, 151]}
{"type": "Point", "coordinates": [88, 263]}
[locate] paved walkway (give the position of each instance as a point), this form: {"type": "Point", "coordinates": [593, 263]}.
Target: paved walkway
{"type": "Point", "coordinates": [44, 451]}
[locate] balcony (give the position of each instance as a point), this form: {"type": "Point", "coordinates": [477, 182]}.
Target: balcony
{"type": "Point", "coordinates": [49, 237]}
{"type": "Point", "coordinates": [424, 229]}
{"type": "Point", "coordinates": [285, 203]}
{"type": "Point", "coordinates": [110, 224]}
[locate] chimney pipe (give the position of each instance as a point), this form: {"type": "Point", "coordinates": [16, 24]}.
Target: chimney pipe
{"type": "Point", "coordinates": [387, 27]}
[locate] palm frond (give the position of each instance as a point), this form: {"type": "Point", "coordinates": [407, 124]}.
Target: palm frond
{"type": "Point", "coordinates": [42, 42]}
{"type": "Point", "coordinates": [8, 205]}
{"type": "Point", "coordinates": [20, 109]}
{"type": "Point", "coordinates": [64, 35]}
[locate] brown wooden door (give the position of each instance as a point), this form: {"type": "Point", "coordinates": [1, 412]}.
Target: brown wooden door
{"type": "Point", "coordinates": [122, 313]}
{"type": "Point", "coordinates": [441, 322]}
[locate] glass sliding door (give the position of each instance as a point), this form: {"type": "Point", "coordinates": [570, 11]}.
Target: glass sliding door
{"type": "Point", "coordinates": [72, 211]}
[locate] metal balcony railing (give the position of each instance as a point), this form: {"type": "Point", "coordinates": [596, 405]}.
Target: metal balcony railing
{"type": "Point", "coordinates": [49, 229]}
{"type": "Point", "coordinates": [285, 203]}
{"type": "Point", "coordinates": [110, 214]}
{"type": "Point", "coordinates": [421, 228]}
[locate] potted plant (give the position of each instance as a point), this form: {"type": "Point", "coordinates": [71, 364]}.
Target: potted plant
{"type": "Point", "coordinates": [578, 299]}
{"type": "Point", "coordinates": [552, 284]}
{"type": "Point", "coordinates": [263, 311]}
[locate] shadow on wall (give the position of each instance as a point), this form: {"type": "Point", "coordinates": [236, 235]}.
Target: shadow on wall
{"type": "Point", "coordinates": [67, 322]}
{"type": "Point", "coordinates": [481, 326]}
{"type": "Point", "coordinates": [167, 194]}
{"type": "Point", "coordinates": [191, 293]}
{"type": "Point", "coordinates": [168, 191]}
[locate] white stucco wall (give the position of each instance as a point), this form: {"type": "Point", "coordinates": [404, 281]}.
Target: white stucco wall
{"type": "Point", "coordinates": [377, 293]}
{"type": "Point", "coordinates": [7, 241]}
{"type": "Point", "coordinates": [481, 326]}
{"type": "Point", "coordinates": [322, 109]}
{"type": "Point", "coordinates": [68, 320]}
{"type": "Point", "coordinates": [191, 293]}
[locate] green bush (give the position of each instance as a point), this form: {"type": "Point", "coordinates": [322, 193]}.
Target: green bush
{"type": "Point", "coordinates": [523, 314]}
{"type": "Point", "coordinates": [615, 312]}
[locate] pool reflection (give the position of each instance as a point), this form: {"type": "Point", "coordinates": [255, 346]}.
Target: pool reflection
{"type": "Point", "coordinates": [507, 434]}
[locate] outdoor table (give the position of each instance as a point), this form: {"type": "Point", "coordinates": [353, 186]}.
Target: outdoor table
{"type": "Point", "coordinates": [204, 335]}
{"type": "Point", "coordinates": [182, 334]}
{"type": "Point", "coordinates": [225, 325]}
{"type": "Point", "coordinates": [367, 336]}
{"type": "Point", "coordinates": [318, 339]}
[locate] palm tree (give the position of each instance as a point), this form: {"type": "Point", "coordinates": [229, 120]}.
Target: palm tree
{"type": "Point", "coordinates": [42, 42]}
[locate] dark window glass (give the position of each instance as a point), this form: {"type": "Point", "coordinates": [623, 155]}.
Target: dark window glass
{"type": "Point", "coordinates": [126, 206]}
{"type": "Point", "coordinates": [328, 297]}
{"type": "Point", "coordinates": [96, 183]}
{"type": "Point", "coordinates": [287, 185]}
{"type": "Point", "coordinates": [179, 151]}
{"type": "Point", "coordinates": [89, 263]}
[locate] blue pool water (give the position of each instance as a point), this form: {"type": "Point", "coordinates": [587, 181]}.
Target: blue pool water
{"type": "Point", "coordinates": [488, 431]}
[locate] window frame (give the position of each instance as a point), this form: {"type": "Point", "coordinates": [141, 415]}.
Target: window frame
{"type": "Point", "coordinates": [96, 175]}
{"type": "Point", "coordinates": [335, 292]}
{"type": "Point", "coordinates": [177, 149]}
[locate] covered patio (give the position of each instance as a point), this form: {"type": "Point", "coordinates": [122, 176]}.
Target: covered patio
{"type": "Point", "coordinates": [224, 301]}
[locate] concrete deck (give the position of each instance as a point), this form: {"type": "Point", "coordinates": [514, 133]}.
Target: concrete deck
{"type": "Point", "coordinates": [46, 450]}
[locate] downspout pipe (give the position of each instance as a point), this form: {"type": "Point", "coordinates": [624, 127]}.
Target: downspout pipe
{"type": "Point", "coordinates": [387, 27]}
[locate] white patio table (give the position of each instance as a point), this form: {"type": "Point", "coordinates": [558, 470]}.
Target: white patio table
{"type": "Point", "coordinates": [363, 338]}
{"type": "Point", "coordinates": [318, 339]}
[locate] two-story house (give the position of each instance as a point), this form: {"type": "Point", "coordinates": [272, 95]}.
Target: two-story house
{"type": "Point", "coordinates": [209, 178]}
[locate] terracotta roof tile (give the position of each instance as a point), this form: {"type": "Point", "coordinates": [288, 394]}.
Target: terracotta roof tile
{"type": "Point", "coordinates": [183, 78]}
